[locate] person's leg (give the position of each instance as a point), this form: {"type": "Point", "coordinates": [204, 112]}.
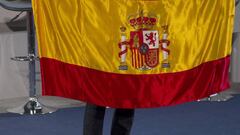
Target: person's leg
{"type": "Point", "coordinates": [122, 122]}
{"type": "Point", "coordinates": [93, 120]}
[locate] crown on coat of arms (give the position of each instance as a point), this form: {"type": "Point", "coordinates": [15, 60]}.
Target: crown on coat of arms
{"type": "Point", "coordinates": [142, 20]}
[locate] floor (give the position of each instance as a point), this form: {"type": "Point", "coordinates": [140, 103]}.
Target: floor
{"type": "Point", "coordinates": [46, 102]}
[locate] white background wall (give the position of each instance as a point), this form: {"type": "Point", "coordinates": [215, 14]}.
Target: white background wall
{"type": "Point", "coordinates": [235, 59]}
{"type": "Point", "coordinates": [13, 75]}
{"type": "Point", "coordinates": [237, 20]}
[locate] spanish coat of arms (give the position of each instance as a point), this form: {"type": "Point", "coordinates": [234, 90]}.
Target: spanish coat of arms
{"type": "Point", "coordinates": [144, 44]}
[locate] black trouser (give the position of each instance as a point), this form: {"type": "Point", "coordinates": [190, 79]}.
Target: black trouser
{"type": "Point", "coordinates": [94, 116]}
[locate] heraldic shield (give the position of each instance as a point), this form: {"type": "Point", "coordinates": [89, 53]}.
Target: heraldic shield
{"type": "Point", "coordinates": [144, 45]}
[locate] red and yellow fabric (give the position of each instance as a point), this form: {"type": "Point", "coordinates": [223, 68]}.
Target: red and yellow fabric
{"type": "Point", "coordinates": [79, 50]}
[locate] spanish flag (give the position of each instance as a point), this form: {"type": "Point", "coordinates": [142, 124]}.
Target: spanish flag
{"type": "Point", "coordinates": [134, 53]}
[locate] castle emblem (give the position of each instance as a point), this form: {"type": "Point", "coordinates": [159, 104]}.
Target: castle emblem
{"type": "Point", "coordinates": [144, 44]}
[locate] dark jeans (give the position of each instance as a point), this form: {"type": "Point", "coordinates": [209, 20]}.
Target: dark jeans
{"type": "Point", "coordinates": [94, 116]}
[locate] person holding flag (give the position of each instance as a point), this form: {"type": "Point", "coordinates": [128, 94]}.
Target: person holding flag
{"type": "Point", "coordinates": [94, 117]}
{"type": "Point", "coordinates": [129, 54]}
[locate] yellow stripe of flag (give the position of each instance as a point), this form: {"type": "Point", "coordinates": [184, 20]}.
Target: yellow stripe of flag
{"type": "Point", "coordinates": [87, 32]}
